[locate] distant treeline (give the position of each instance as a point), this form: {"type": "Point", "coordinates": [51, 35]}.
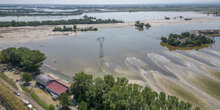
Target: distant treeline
{"type": "Point", "coordinates": [74, 29]}
{"type": "Point", "coordinates": [32, 12]}
{"type": "Point", "coordinates": [85, 20]}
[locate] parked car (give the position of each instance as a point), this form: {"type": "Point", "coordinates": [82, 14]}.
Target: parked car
{"type": "Point", "coordinates": [27, 84]}
{"type": "Point", "coordinates": [26, 102]}
{"type": "Point", "coordinates": [30, 107]}
{"type": "Point", "coordinates": [16, 93]}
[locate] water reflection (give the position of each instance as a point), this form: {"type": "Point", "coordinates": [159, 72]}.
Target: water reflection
{"type": "Point", "coordinates": [172, 48]}
{"type": "Point", "coordinates": [101, 54]}
{"type": "Point", "coordinates": [139, 29]}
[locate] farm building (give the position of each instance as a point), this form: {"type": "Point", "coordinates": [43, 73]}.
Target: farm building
{"type": "Point", "coordinates": [51, 85]}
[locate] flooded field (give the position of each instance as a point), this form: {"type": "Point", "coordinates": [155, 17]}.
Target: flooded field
{"type": "Point", "coordinates": [192, 75]}
{"type": "Point", "coordinates": [125, 16]}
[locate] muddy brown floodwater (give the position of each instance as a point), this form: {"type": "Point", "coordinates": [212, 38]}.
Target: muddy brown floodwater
{"type": "Point", "coordinates": [192, 74]}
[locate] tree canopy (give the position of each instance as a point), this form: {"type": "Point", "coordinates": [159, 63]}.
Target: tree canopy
{"type": "Point", "coordinates": [27, 77]}
{"type": "Point", "coordinates": [24, 58]}
{"type": "Point", "coordinates": [141, 25]}
{"type": "Point", "coordinates": [117, 94]}
{"type": "Point", "coordinates": [74, 28]}
{"type": "Point", "coordinates": [51, 107]}
{"type": "Point", "coordinates": [186, 40]}
{"type": "Point", "coordinates": [85, 20]}
{"type": "Point", "coordinates": [65, 101]}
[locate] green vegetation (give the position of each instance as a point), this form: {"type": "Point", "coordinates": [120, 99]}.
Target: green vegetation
{"type": "Point", "coordinates": [8, 80]}
{"type": "Point", "coordinates": [65, 101]}
{"type": "Point", "coordinates": [138, 24]}
{"type": "Point", "coordinates": [183, 93]}
{"type": "Point", "coordinates": [35, 97]}
{"type": "Point", "coordinates": [51, 107]}
{"type": "Point", "coordinates": [24, 58]}
{"type": "Point", "coordinates": [216, 74]}
{"type": "Point", "coordinates": [209, 85]}
{"type": "Point", "coordinates": [147, 25]}
{"type": "Point", "coordinates": [85, 20]}
{"type": "Point", "coordinates": [26, 77]}
{"type": "Point", "coordinates": [117, 94]}
{"type": "Point", "coordinates": [186, 40]}
{"type": "Point", "coordinates": [74, 28]}
{"type": "Point", "coordinates": [33, 12]}
{"type": "Point", "coordinates": [7, 95]}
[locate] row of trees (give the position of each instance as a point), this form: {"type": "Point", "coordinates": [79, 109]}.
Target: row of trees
{"type": "Point", "coordinates": [186, 40]}
{"type": "Point", "coordinates": [84, 20]}
{"type": "Point", "coordinates": [74, 28]}
{"type": "Point", "coordinates": [24, 58]}
{"type": "Point", "coordinates": [117, 94]}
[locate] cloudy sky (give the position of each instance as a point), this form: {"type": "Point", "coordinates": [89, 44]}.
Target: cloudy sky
{"type": "Point", "coordinates": [103, 1]}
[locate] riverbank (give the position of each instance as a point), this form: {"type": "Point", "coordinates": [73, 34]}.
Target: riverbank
{"type": "Point", "coordinates": [30, 33]}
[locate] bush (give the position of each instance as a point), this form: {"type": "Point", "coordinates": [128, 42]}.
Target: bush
{"type": "Point", "coordinates": [51, 107]}
{"type": "Point", "coordinates": [138, 24]}
{"type": "Point", "coordinates": [26, 77]}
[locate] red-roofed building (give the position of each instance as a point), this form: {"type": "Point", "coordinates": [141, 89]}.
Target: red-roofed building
{"type": "Point", "coordinates": [56, 88]}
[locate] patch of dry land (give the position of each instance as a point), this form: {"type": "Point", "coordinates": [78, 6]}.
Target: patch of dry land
{"type": "Point", "coordinates": [29, 33]}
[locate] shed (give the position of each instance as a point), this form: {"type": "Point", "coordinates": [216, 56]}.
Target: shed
{"type": "Point", "coordinates": [43, 80]}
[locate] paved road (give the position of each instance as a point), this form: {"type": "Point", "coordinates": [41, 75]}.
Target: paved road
{"type": "Point", "coordinates": [23, 95]}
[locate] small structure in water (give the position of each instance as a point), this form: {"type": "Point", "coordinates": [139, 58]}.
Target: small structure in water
{"type": "Point", "coordinates": [188, 19]}
{"type": "Point", "coordinates": [167, 18]}
{"type": "Point", "coordinates": [211, 33]}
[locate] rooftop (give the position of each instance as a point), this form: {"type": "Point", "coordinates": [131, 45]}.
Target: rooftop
{"type": "Point", "coordinates": [57, 87]}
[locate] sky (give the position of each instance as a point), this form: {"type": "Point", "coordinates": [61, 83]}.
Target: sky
{"type": "Point", "coordinates": [103, 1]}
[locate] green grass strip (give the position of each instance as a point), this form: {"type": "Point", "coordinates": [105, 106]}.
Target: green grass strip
{"type": "Point", "coordinates": [8, 80]}
{"type": "Point", "coordinates": [35, 97]}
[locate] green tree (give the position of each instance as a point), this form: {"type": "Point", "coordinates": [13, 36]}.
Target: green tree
{"type": "Point", "coordinates": [65, 101]}
{"type": "Point", "coordinates": [82, 83]}
{"type": "Point", "coordinates": [164, 39]}
{"type": "Point", "coordinates": [147, 25]}
{"type": "Point", "coordinates": [31, 60]}
{"type": "Point", "coordinates": [27, 77]}
{"type": "Point", "coordinates": [82, 106]}
{"type": "Point", "coordinates": [74, 27]}
{"type": "Point", "coordinates": [51, 107]}
{"type": "Point", "coordinates": [28, 60]}
{"type": "Point", "coordinates": [111, 94]}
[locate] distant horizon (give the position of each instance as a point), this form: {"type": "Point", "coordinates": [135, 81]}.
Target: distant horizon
{"type": "Point", "coordinates": [106, 2]}
{"type": "Point", "coordinates": [212, 3]}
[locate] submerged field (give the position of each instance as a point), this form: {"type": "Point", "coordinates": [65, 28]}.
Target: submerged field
{"type": "Point", "coordinates": [192, 74]}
